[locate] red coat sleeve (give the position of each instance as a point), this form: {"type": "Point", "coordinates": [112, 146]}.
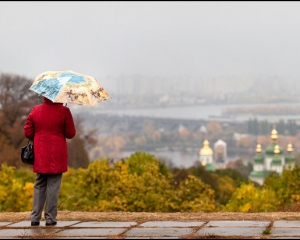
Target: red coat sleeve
{"type": "Point", "coordinates": [70, 130]}
{"type": "Point", "coordinates": [29, 126]}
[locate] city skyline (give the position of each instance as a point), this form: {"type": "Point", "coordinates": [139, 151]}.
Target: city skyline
{"type": "Point", "coordinates": [165, 39]}
{"type": "Point", "coordinates": [142, 84]}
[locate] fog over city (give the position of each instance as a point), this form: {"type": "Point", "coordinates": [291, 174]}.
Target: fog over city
{"type": "Point", "coordinates": [167, 41]}
{"type": "Point", "coordinates": [178, 73]}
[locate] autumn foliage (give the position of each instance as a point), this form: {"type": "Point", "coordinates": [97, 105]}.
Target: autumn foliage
{"type": "Point", "coordinates": [277, 193]}
{"type": "Point", "coordinates": [140, 183]}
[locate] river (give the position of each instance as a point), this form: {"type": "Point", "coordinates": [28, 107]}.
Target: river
{"type": "Point", "coordinates": [205, 112]}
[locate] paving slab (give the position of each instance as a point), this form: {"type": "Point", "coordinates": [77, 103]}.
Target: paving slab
{"type": "Point", "coordinates": [238, 224]}
{"type": "Point", "coordinates": [87, 232]}
{"type": "Point", "coordinates": [152, 237]}
{"type": "Point", "coordinates": [171, 224]}
{"type": "Point", "coordinates": [15, 237]}
{"type": "Point", "coordinates": [285, 238]}
{"type": "Point", "coordinates": [58, 237]}
{"type": "Point", "coordinates": [158, 232]}
{"type": "Point", "coordinates": [230, 231]}
{"type": "Point", "coordinates": [42, 224]}
{"type": "Point", "coordinates": [284, 224]}
{"type": "Point", "coordinates": [4, 223]}
{"type": "Point", "coordinates": [11, 237]}
{"type": "Point", "coordinates": [26, 232]}
{"type": "Point", "coordinates": [288, 231]}
{"type": "Point", "coordinates": [79, 237]}
{"type": "Point", "coordinates": [105, 224]}
{"type": "Point", "coordinates": [8, 237]}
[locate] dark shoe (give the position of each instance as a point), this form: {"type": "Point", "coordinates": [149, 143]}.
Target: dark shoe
{"type": "Point", "coordinates": [51, 224]}
{"type": "Point", "coordinates": [35, 224]}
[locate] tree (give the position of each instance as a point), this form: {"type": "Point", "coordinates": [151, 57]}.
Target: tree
{"type": "Point", "coordinates": [140, 183]}
{"type": "Point", "coordinates": [77, 147]}
{"type": "Point", "coordinates": [214, 129]}
{"type": "Point", "coordinates": [16, 101]}
{"type": "Point", "coordinates": [140, 141]}
{"type": "Point", "coordinates": [263, 140]}
{"type": "Point", "coordinates": [207, 177]}
{"type": "Point", "coordinates": [179, 175]}
{"type": "Point", "coordinates": [184, 133]}
{"type": "Point", "coordinates": [77, 155]}
{"type": "Point", "coordinates": [233, 174]}
{"type": "Point", "coordinates": [114, 144]}
{"type": "Point", "coordinates": [148, 128]}
{"type": "Point", "coordinates": [250, 167]}
{"type": "Point", "coordinates": [241, 168]}
{"type": "Point", "coordinates": [248, 198]}
{"type": "Point", "coordinates": [250, 126]}
{"type": "Point", "coordinates": [156, 136]}
{"type": "Point", "coordinates": [245, 142]}
{"type": "Point", "coordinates": [226, 189]}
{"type": "Point", "coordinates": [15, 192]}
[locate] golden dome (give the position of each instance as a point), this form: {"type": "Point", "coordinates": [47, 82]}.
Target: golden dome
{"type": "Point", "coordinates": [289, 147]}
{"type": "Point", "coordinates": [274, 134]}
{"type": "Point", "coordinates": [258, 148]}
{"type": "Point", "coordinates": [206, 150]}
{"type": "Point", "coordinates": [276, 149]}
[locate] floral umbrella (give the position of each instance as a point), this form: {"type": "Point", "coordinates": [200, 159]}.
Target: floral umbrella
{"type": "Point", "coordinates": [69, 87]}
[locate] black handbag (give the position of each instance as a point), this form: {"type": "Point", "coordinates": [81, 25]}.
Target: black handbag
{"type": "Point", "coordinates": [27, 154]}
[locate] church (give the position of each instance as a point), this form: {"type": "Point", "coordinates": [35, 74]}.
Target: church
{"type": "Point", "coordinates": [213, 160]}
{"type": "Point", "coordinates": [273, 160]}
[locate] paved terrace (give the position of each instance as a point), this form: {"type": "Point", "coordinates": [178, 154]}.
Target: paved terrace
{"type": "Point", "coordinates": [280, 229]}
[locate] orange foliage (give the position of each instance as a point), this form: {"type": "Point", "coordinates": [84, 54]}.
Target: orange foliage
{"type": "Point", "coordinates": [156, 136]}
{"type": "Point", "coordinates": [184, 133]}
{"type": "Point", "coordinates": [140, 141]}
{"type": "Point", "coordinates": [264, 141]}
{"type": "Point", "coordinates": [245, 142]}
{"type": "Point", "coordinates": [214, 129]}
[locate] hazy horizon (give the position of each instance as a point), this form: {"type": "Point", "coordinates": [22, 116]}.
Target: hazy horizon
{"type": "Point", "coordinates": [164, 39]}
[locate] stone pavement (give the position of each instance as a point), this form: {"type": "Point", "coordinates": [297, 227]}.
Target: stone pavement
{"type": "Point", "coordinates": [153, 230]}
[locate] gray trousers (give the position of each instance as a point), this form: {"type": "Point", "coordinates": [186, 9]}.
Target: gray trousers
{"type": "Point", "coordinates": [46, 190]}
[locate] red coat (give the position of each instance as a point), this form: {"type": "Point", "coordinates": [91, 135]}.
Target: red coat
{"type": "Point", "coordinates": [50, 124]}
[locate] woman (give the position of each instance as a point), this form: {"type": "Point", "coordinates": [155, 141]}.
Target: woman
{"type": "Point", "coordinates": [48, 124]}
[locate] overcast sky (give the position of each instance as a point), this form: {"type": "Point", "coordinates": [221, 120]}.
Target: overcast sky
{"type": "Point", "coordinates": [150, 38]}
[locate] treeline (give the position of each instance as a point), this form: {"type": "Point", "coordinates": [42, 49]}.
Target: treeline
{"type": "Point", "coordinates": [142, 183]}
{"type": "Point", "coordinates": [16, 102]}
{"type": "Point", "coordinates": [263, 127]}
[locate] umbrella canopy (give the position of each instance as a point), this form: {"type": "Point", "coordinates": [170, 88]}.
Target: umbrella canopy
{"type": "Point", "coordinates": [69, 87]}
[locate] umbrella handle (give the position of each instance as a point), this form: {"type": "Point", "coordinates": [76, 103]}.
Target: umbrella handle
{"type": "Point", "coordinates": [39, 96]}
